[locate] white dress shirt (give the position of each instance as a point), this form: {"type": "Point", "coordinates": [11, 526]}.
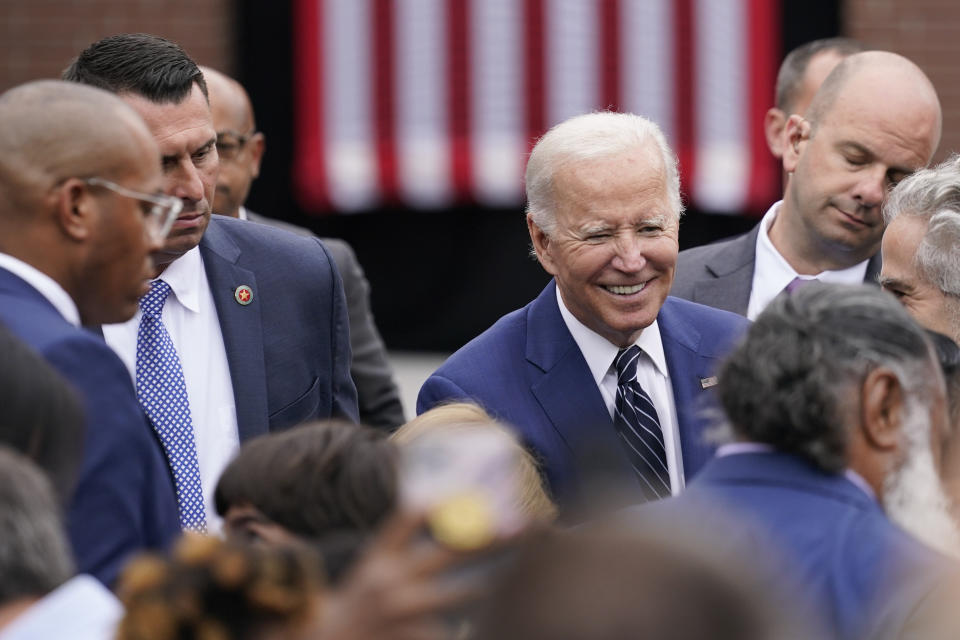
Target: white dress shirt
{"type": "Point", "coordinates": [772, 273]}
{"type": "Point", "coordinates": [47, 286]}
{"type": "Point", "coordinates": [80, 609]}
{"type": "Point", "coordinates": [652, 374]}
{"type": "Point", "coordinates": [190, 318]}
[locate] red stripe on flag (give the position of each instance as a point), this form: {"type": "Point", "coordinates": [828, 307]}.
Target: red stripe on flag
{"type": "Point", "coordinates": [534, 70]}
{"type": "Point", "coordinates": [458, 88]}
{"type": "Point", "coordinates": [384, 97]}
{"type": "Point", "coordinates": [763, 53]}
{"type": "Point", "coordinates": [684, 78]}
{"type": "Point", "coordinates": [610, 54]}
{"type": "Point", "coordinates": [310, 174]}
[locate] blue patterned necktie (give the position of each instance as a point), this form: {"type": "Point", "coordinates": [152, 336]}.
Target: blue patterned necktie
{"type": "Point", "coordinates": [163, 395]}
{"type": "Point", "coordinates": [638, 426]}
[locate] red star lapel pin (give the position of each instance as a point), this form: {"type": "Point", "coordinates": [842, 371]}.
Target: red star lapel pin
{"type": "Point", "coordinates": [243, 294]}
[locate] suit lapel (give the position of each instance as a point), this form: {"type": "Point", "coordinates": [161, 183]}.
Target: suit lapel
{"type": "Point", "coordinates": [687, 367]}
{"type": "Point", "coordinates": [732, 271]}
{"type": "Point", "coordinates": [873, 269]}
{"type": "Point", "coordinates": [241, 328]}
{"type": "Point", "coordinates": [566, 391]}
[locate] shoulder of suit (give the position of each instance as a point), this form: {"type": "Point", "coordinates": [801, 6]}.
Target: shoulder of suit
{"type": "Point", "coordinates": [712, 321]}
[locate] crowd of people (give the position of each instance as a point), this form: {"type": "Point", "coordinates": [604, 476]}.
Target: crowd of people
{"type": "Point", "coordinates": [755, 439]}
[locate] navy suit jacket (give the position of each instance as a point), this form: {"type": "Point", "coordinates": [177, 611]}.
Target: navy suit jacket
{"type": "Point", "coordinates": [289, 349]}
{"type": "Point", "coordinates": [859, 571]}
{"type": "Point", "coordinates": [720, 275]}
{"type": "Point", "coordinates": [528, 371]}
{"type": "Point", "coordinates": [124, 500]}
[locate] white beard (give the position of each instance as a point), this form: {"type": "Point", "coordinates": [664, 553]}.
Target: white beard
{"type": "Point", "coordinates": [913, 495]}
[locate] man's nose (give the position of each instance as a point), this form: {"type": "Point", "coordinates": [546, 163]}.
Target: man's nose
{"type": "Point", "coordinates": [185, 183]}
{"type": "Point", "coordinates": [630, 256]}
{"type": "Point", "coordinates": [871, 188]}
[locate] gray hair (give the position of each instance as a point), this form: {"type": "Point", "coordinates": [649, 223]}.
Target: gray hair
{"type": "Point", "coordinates": [933, 195]}
{"type": "Point", "coordinates": [788, 383]}
{"type": "Point", "coordinates": [794, 67]}
{"type": "Point", "coordinates": [34, 556]}
{"type": "Point", "coordinates": [590, 136]}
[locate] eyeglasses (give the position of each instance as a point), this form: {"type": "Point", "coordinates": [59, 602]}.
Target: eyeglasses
{"type": "Point", "coordinates": [160, 215]}
{"type": "Point", "coordinates": [231, 143]}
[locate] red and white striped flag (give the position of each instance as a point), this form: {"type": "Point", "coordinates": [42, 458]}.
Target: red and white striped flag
{"type": "Point", "coordinates": [429, 103]}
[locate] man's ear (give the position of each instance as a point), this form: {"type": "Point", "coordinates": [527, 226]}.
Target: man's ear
{"type": "Point", "coordinates": [541, 244]}
{"type": "Point", "coordinates": [774, 123]}
{"type": "Point", "coordinates": [258, 144]}
{"type": "Point", "coordinates": [795, 135]}
{"type": "Point", "coordinates": [882, 401]}
{"type": "Point", "coordinates": [75, 208]}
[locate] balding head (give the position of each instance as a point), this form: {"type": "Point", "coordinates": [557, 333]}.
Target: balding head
{"type": "Point", "coordinates": [55, 130]}
{"type": "Point", "coordinates": [91, 240]}
{"type": "Point", "coordinates": [239, 144]}
{"type": "Point", "coordinates": [895, 81]}
{"type": "Point", "coordinates": [875, 120]}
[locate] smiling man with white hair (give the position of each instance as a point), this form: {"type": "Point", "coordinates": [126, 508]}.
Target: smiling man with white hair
{"type": "Point", "coordinates": [602, 364]}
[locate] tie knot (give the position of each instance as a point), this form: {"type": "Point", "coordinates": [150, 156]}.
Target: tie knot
{"type": "Point", "coordinates": [797, 283]}
{"type": "Point", "coordinates": [626, 363]}
{"type": "Point", "coordinates": [152, 303]}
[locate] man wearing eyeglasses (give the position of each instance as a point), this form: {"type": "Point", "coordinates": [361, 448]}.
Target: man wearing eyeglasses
{"type": "Point", "coordinates": [244, 330]}
{"type": "Point", "coordinates": [240, 147]}
{"type": "Point", "coordinates": [80, 215]}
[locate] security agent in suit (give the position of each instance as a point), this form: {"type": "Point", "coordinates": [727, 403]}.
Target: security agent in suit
{"type": "Point", "coordinates": [240, 147]}
{"type": "Point", "coordinates": [875, 119]}
{"type": "Point", "coordinates": [257, 316]}
{"type": "Point", "coordinates": [603, 214]}
{"type": "Point", "coordinates": [78, 221]}
{"type": "Point", "coordinates": [838, 411]}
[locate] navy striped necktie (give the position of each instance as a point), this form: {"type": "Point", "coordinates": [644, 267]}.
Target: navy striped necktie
{"type": "Point", "coordinates": [638, 426]}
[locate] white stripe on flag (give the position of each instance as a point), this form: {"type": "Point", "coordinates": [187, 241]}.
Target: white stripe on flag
{"type": "Point", "coordinates": [497, 101]}
{"type": "Point", "coordinates": [723, 86]}
{"type": "Point", "coordinates": [572, 35]}
{"type": "Point", "coordinates": [646, 45]}
{"type": "Point", "coordinates": [423, 148]}
{"type": "Point", "coordinates": [348, 130]}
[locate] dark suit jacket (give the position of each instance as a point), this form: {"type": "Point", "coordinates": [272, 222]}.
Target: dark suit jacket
{"type": "Point", "coordinates": [528, 371]}
{"type": "Point", "coordinates": [377, 393]}
{"type": "Point", "coordinates": [289, 349]}
{"type": "Point", "coordinates": [720, 275]}
{"type": "Point", "coordinates": [860, 572]}
{"type": "Point", "coordinates": [124, 500]}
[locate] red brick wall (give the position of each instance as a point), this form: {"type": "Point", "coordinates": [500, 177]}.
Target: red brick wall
{"type": "Point", "coordinates": [927, 32]}
{"type": "Point", "coordinates": [39, 38]}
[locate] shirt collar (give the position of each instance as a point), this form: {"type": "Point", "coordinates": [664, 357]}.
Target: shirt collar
{"type": "Point", "coordinates": [778, 272]}
{"type": "Point", "coordinates": [183, 275]}
{"type": "Point", "coordinates": [600, 352]}
{"type": "Point", "coordinates": [47, 286]}
{"type": "Point", "coordinates": [242, 213]}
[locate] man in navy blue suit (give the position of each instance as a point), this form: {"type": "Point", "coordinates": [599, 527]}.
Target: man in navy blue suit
{"type": "Point", "coordinates": [839, 412]}
{"type": "Point", "coordinates": [79, 217]}
{"type": "Point", "coordinates": [256, 316]}
{"type": "Point", "coordinates": [603, 214]}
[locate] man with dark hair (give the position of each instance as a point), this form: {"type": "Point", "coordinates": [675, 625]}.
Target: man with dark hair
{"type": "Point", "coordinates": [330, 484]}
{"type": "Point", "coordinates": [39, 595]}
{"type": "Point", "coordinates": [801, 73]}
{"type": "Point", "coordinates": [875, 120]}
{"type": "Point", "coordinates": [240, 147]}
{"type": "Point", "coordinates": [838, 410]}
{"type": "Point", "coordinates": [244, 330]}
{"type": "Point", "coordinates": [79, 217]}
